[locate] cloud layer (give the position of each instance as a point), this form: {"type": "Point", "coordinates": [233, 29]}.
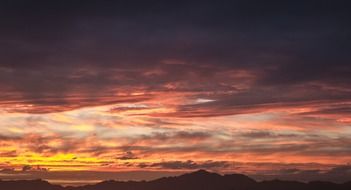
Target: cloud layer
{"type": "Point", "coordinates": [174, 86]}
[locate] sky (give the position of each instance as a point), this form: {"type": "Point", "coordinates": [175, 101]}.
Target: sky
{"type": "Point", "coordinates": [143, 89]}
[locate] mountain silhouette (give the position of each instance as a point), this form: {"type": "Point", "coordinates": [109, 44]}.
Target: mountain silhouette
{"type": "Point", "coordinates": [199, 180]}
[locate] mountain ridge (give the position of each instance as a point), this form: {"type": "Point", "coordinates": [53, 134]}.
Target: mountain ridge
{"type": "Point", "coordinates": [198, 180]}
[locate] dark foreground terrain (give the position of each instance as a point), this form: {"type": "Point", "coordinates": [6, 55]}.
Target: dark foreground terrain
{"type": "Point", "coordinates": [200, 180]}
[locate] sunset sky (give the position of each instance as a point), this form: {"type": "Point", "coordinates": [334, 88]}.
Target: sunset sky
{"type": "Point", "coordinates": [166, 87]}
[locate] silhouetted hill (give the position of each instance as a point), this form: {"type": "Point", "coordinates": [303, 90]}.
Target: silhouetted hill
{"type": "Point", "coordinates": [199, 180]}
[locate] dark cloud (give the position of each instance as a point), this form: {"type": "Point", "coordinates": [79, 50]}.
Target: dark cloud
{"type": "Point", "coordinates": [8, 154]}
{"type": "Point", "coordinates": [178, 135]}
{"type": "Point", "coordinates": [27, 168]}
{"type": "Point", "coordinates": [343, 109]}
{"type": "Point", "coordinates": [7, 170]}
{"type": "Point", "coordinates": [127, 156]}
{"type": "Point", "coordinates": [189, 165]}
{"type": "Point", "coordinates": [56, 54]}
{"type": "Point", "coordinates": [9, 138]}
{"type": "Point", "coordinates": [268, 135]}
{"type": "Point", "coordinates": [258, 99]}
